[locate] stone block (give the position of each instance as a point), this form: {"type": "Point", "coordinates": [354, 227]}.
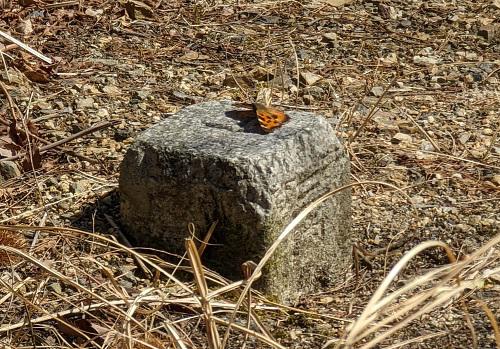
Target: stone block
{"type": "Point", "coordinates": [209, 162]}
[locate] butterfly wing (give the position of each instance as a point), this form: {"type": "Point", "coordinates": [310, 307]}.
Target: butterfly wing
{"type": "Point", "coordinates": [269, 118]}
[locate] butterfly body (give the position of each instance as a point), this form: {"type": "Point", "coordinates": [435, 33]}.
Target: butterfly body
{"type": "Point", "coordinates": [269, 117]}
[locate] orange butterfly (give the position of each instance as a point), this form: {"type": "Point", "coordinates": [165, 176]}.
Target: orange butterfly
{"type": "Point", "coordinates": [269, 117]}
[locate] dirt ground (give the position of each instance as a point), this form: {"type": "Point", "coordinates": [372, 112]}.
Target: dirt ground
{"type": "Point", "coordinates": [413, 88]}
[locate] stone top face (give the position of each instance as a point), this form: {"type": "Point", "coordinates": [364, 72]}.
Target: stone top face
{"type": "Point", "coordinates": [220, 129]}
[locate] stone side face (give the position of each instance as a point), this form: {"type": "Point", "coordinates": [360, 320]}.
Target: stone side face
{"type": "Point", "coordinates": [205, 163]}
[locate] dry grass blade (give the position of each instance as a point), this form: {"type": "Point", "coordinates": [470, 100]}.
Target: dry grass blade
{"type": "Point", "coordinates": [373, 110]}
{"type": "Point", "coordinates": [437, 295]}
{"type": "Point", "coordinates": [257, 335]}
{"type": "Point", "coordinates": [202, 288]}
{"type": "Point", "coordinates": [419, 339]}
{"type": "Point", "coordinates": [493, 320]}
{"type": "Point", "coordinates": [470, 326]}
{"type": "Point", "coordinates": [207, 238]}
{"type": "Point", "coordinates": [25, 47]}
{"type": "Point", "coordinates": [111, 242]}
{"type": "Point", "coordinates": [63, 278]}
{"type": "Point", "coordinates": [374, 305]}
{"type": "Point", "coordinates": [178, 342]}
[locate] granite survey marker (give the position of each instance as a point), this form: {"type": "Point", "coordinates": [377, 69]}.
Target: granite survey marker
{"type": "Point", "coordinates": [207, 163]}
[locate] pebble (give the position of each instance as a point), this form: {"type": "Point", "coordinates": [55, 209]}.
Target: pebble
{"type": "Point", "coordinates": [8, 170]}
{"type": "Point", "coordinates": [426, 146]}
{"type": "Point", "coordinates": [377, 91]}
{"type": "Point", "coordinates": [464, 137]}
{"type": "Point", "coordinates": [496, 179]}
{"type": "Point", "coordinates": [425, 60]}
{"type": "Point", "coordinates": [309, 78]}
{"type": "Point", "coordinates": [111, 90]}
{"type": "Point", "coordinates": [84, 103]}
{"type": "Point", "coordinates": [487, 131]}
{"type": "Point", "coordinates": [402, 138]}
{"type": "Point", "coordinates": [330, 36]}
{"type": "Point", "coordinates": [308, 99]}
{"type": "Point", "coordinates": [79, 186]}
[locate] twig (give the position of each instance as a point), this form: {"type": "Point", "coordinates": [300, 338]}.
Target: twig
{"type": "Point", "coordinates": [37, 232]}
{"type": "Point", "coordinates": [11, 103]}
{"type": "Point", "coordinates": [62, 4]}
{"type": "Point", "coordinates": [462, 159]}
{"type": "Point", "coordinates": [26, 47]}
{"type": "Point", "coordinates": [127, 243]}
{"type": "Point", "coordinates": [297, 68]}
{"type": "Point", "coordinates": [82, 133]}
{"type": "Point", "coordinates": [5, 66]}
{"type": "Point", "coordinates": [373, 110]}
{"type": "Point", "coordinates": [424, 132]}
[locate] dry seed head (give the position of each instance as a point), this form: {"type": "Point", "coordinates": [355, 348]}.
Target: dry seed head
{"type": "Point", "coordinates": [13, 239]}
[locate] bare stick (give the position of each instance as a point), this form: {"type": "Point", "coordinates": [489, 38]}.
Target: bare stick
{"type": "Point", "coordinates": [127, 243]}
{"type": "Point", "coordinates": [25, 47]}
{"type": "Point", "coordinates": [82, 133]}
{"type": "Point", "coordinates": [373, 110]}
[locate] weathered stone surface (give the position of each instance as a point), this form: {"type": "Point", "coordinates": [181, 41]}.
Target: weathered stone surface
{"type": "Point", "coordinates": [8, 170]}
{"type": "Point", "coordinates": [208, 162]}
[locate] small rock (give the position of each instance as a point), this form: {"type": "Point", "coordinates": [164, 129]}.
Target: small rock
{"type": "Point", "coordinates": [102, 113]}
{"type": "Point", "coordinates": [121, 135]}
{"type": "Point", "coordinates": [489, 32]}
{"type": "Point", "coordinates": [386, 11]}
{"type": "Point", "coordinates": [401, 138]}
{"type": "Point", "coordinates": [330, 36]}
{"type": "Point", "coordinates": [8, 170]}
{"type": "Point", "coordinates": [405, 23]}
{"type": "Point", "coordinates": [83, 103]}
{"type": "Point", "coordinates": [79, 187]}
{"type": "Point", "coordinates": [470, 55]}
{"type": "Point", "coordinates": [417, 199]}
{"type": "Point", "coordinates": [55, 287]}
{"type": "Point", "coordinates": [309, 78]}
{"type": "Point", "coordinates": [308, 99]}
{"type": "Point", "coordinates": [487, 131]}
{"type": "Point", "coordinates": [425, 60]}
{"type": "Point", "coordinates": [111, 90]}
{"type": "Point", "coordinates": [314, 91]}
{"type": "Point", "coordinates": [496, 179]}
{"type": "Point", "coordinates": [142, 94]}
{"type": "Point", "coordinates": [464, 228]}
{"type": "Point", "coordinates": [464, 137]}
{"type": "Point", "coordinates": [427, 146]}
{"type": "Point", "coordinates": [377, 91]}
{"type": "Point", "coordinates": [93, 13]}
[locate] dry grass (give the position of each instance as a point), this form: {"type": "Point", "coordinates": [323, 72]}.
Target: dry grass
{"type": "Point", "coordinates": [71, 289]}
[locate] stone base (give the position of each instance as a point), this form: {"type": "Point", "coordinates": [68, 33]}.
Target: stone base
{"type": "Point", "coordinates": [209, 162]}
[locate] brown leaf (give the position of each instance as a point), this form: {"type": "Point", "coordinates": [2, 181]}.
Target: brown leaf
{"type": "Point", "coordinates": [14, 135]}
{"type": "Point", "coordinates": [76, 328]}
{"type": "Point", "coordinates": [26, 3]}
{"type": "Point", "coordinates": [37, 76]}
{"type": "Point", "coordinates": [138, 10]}
{"type": "Point", "coordinates": [32, 128]}
{"type": "Point", "coordinates": [34, 161]}
{"type": "Point", "coordinates": [7, 148]}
